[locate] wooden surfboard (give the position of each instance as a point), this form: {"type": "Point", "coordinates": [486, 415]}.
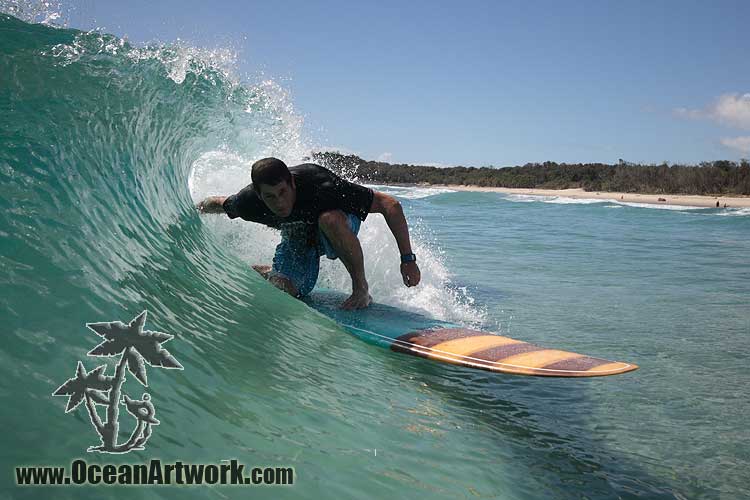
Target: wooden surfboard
{"type": "Point", "coordinates": [414, 334]}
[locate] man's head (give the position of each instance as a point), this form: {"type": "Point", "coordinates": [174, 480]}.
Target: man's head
{"type": "Point", "coordinates": [275, 185]}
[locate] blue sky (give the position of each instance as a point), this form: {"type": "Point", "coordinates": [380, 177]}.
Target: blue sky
{"type": "Point", "coordinates": [480, 83]}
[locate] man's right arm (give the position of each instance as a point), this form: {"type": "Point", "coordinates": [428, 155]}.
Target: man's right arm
{"type": "Point", "coordinates": [212, 205]}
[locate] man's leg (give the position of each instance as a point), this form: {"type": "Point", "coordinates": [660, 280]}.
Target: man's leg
{"type": "Point", "coordinates": [295, 265]}
{"type": "Point", "coordinates": [335, 226]}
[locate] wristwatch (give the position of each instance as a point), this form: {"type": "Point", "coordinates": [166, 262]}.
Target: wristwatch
{"type": "Point", "coordinates": [408, 257]}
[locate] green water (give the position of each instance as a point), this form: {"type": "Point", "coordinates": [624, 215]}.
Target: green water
{"type": "Point", "coordinates": [103, 150]}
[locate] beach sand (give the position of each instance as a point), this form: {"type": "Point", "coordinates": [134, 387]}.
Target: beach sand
{"type": "Point", "coordinates": [655, 199]}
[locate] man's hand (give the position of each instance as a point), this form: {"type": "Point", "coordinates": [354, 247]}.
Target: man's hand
{"type": "Point", "coordinates": [359, 299]}
{"type": "Point", "coordinates": [211, 205]}
{"type": "Point", "coordinates": [410, 273]}
{"type": "Point", "coordinates": [394, 216]}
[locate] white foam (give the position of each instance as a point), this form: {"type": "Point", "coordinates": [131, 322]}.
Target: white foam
{"type": "Point", "coordinates": [218, 173]}
{"type": "Point", "coordinates": [434, 296]}
{"type": "Point", "coordinates": [563, 200]}
{"type": "Point", "coordinates": [557, 200]}
{"type": "Point", "coordinates": [523, 198]}
{"type": "Point", "coordinates": [47, 12]}
{"type": "Point", "coordinates": [181, 60]}
{"type": "Point", "coordinates": [411, 192]}
{"type": "Point", "coordinates": [223, 173]}
{"type": "Point", "coordinates": [658, 206]}
{"type": "Point", "coordinates": [734, 212]}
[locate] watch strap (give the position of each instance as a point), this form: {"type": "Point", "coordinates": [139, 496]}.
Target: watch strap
{"type": "Point", "coordinates": [408, 257]}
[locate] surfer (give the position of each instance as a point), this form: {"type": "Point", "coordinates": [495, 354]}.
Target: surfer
{"type": "Point", "coordinates": [318, 213]}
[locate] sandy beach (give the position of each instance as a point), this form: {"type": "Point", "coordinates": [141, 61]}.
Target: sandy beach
{"type": "Point", "coordinates": [656, 199]}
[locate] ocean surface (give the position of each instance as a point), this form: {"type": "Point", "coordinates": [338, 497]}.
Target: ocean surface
{"type": "Point", "coordinates": [104, 149]}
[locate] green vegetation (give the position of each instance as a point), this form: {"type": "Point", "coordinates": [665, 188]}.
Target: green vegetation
{"type": "Point", "coordinates": [708, 178]}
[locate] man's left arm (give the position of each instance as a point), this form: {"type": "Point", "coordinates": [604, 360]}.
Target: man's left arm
{"type": "Point", "coordinates": [211, 205]}
{"type": "Point", "coordinates": [394, 217]}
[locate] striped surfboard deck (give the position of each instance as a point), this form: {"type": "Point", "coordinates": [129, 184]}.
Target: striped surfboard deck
{"type": "Point", "coordinates": [486, 351]}
{"type": "Point", "coordinates": [417, 335]}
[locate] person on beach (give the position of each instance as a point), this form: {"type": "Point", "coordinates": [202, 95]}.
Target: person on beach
{"type": "Point", "coordinates": [318, 213]}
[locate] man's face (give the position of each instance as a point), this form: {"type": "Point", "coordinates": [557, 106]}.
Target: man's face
{"type": "Point", "coordinates": [279, 198]}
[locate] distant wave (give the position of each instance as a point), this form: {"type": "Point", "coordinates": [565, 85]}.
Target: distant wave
{"type": "Point", "coordinates": [734, 212]}
{"type": "Point", "coordinates": [411, 192]}
{"type": "Point", "coordinates": [563, 200]}
{"type": "Point", "coordinates": [658, 206]}
{"type": "Point", "coordinates": [557, 200]}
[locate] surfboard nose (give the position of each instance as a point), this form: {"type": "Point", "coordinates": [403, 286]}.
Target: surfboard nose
{"type": "Point", "coordinates": [477, 349]}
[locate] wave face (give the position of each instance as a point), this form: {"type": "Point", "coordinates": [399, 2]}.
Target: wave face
{"type": "Point", "coordinates": [98, 141]}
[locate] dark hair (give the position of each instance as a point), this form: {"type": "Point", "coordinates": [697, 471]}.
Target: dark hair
{"type": "Point", "coordinates": [270, 171]}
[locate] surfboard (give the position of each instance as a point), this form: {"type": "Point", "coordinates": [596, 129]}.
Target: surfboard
{"type": "Point", "coordinates": [417, 335]}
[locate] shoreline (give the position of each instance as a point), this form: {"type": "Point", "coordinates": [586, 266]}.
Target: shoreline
{"type": "Point", "coordinates": [686, 200]}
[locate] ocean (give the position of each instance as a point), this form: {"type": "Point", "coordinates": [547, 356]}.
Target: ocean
{"type": "Point", "coordinates": [104, 150]}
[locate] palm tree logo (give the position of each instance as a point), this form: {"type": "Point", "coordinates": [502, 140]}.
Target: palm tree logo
{"type": "Point", "coordinates": [136, 347]}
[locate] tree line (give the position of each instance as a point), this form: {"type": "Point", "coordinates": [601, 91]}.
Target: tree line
{"type": "Point", "coordinates": [707, 178]}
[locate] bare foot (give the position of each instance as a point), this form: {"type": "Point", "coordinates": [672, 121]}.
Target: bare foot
{"type": "Point", "coordinates": [357, 300]}
{"type": "Point", "coordinates": [262, 270]}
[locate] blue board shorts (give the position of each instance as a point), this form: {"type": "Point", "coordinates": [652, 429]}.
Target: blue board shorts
{"type": "Point", "coordinates": [299, 262]}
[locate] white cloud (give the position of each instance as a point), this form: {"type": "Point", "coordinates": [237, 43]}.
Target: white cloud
{"type": "Point", "coordinates": [741, 144]}
{"type": "Point", "coordinates": [385, 157]}
{"type": "Point", "coordinates": [733, 109]}
{"type": "Point", "coordinates": [433, 164]}
{"type": "Point", "coordinates": [729, 109]}
{"type": "Point", "coordinates": [690, 114]}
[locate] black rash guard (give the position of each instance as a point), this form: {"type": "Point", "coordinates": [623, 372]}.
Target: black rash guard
{"type": "Point", "coordinates": [318, 190]}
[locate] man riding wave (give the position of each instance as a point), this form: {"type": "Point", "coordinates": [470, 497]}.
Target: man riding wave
{"type": "Point", "coordinates": [318, 213]}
